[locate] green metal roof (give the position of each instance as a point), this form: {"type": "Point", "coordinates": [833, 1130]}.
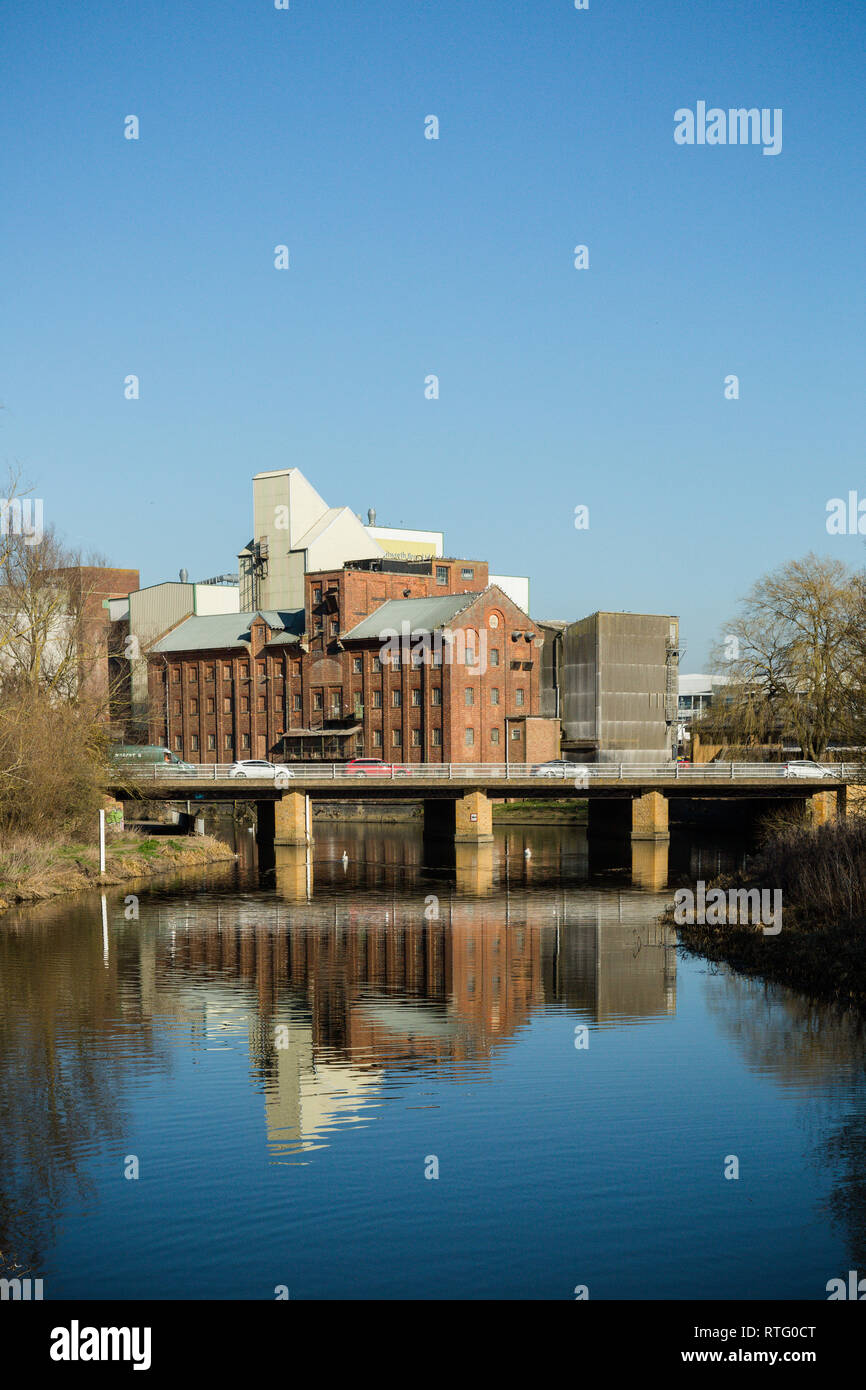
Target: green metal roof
{"type": "Point", "coordinates": [217, 631]}
{"type": "Point", "coordinates": [422, 615]}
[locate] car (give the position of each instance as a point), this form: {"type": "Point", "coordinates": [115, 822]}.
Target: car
{"type": "Point", "coordinates": [374, 767]}
{"type": "Point", "coordinates": [802, 767]}
{"type": "Point", "coordinates": [261, 770]}
{"type": "Point", "coordinates": [560, 767]}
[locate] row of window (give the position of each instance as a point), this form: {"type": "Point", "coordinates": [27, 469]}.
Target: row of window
{"type": "Point", "coordinates": [336, 702]}
{"type": "Point", "coordinates": [493, 657]}
{"type": "Point", "coordinates": [378, 739]}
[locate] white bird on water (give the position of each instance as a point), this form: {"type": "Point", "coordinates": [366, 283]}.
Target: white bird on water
{"type": "Point", "coordinates": [527, 854]}
{"type": "Point", "coordinates": [345, 861]}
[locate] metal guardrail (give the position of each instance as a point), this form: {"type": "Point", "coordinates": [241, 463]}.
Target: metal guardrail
{"type": "Point", "coordinates": [578, 775]}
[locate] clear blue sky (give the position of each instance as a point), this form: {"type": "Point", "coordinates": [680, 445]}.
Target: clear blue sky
{"type": "Point", "coordinates": [410, 256]}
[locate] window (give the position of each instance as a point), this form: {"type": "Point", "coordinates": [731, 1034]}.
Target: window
{"type": "Point", "coordinates": [467, 573]}
{"type": "Point", "coordinates": [228, 743]}
{"type": "Point", "coordinates": [245, 670]}
{"type": "Point", "coordinates": [177, 707]}
{"type": "Point", "coordinates": [296, 668]}
{"type": "Point", "coordinates": [469, 695]}
{"type": "Point", "coordinates": [357, 665]}
{"type": "Point", "coordinates": [494, 656]}
{"type": "Point", "coordinates": [416, 738]}
{"type": "Point", "coordinates": [209, 705]}
{"type": "Point", "coordinates": [296, 703]}
{"type": "Point", "coordinates": [441, 574]}
{"type": "Point", "coordinates": [377, 738]}
{"type": "Point", "coordinates": [193, 674]}
{"type": "Point", "coordinates": [416, 697]}
{"type": "Point", "coordinates": [515, 733]}
{"type": "Point", "coordinates": [397, 738]}
{"type": "Point", "coordinates": [178, 742]}
{"type": "Point", "coordinates": [245, 740]}
{"type": "Point", "coordinates": [518, 697]}
{"type": "Point", "coordinates": [193, 742]}
{"type": "Point", "coordinates": [470, 738]}
{"type": "Point", "coordinates": [193, 706]}
{"type": "Point", "coordinates": [175, 674]}
{"type": "Point", "coordinates": [261, 703]}
{"type": "Point", "coordinates": [260, 670]}
{"type": "Point", "coordinates": [208, 673]}
{"type": "Point", "coordinates": [437, 738]}
{"type": "Point", "coordinates": [437, 657]}
{"type": "Point", "coordinates": [227, 673]}
{"type": "Point", "coordinates": [245, 704]}
{"type": "Point", "coordinates": [377, 665]}
{"type": "Point", "coordinates": [377, 699]}
{"type": "Point", "coordinates": [334, 626]}
{"type": "Point", "coordinates": [494, 696]}
{"type": "Point", "coordinates": [318, 699]}
{"type": "Point", "coordinates": [227, 704]}
{"type": "Point", "coordinates": [211, 743]}
{"type": "Point", "coordinates": [317, 593]}
{"type": "Point", "coordinates": [396, 698]}
{"type": "Point", "coordinates": [494, 735]}
{"type": "Point", "coordinates": [436, 695]}
{"type": "Point", "coordinates": [319, 625]}
{"type": "Point", "coordinates": [336, 704]}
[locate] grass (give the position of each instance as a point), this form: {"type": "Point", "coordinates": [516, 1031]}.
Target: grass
{"type": "Point", "coordinates": [821, 948]}
{"type": "Point", "coordinates": [32, 869]}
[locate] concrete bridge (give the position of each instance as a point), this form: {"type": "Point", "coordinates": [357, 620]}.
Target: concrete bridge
{"type": "Point", "coordinates": [458, 798]}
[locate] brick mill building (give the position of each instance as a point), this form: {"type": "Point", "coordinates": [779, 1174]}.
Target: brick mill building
{"type": "Point", "coordinates": [409, 662]}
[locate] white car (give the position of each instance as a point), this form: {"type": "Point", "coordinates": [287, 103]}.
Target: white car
{"type": "Point", "coordinates": [801, 767]}
{"type": "Point", "coordinates": [560, 767]}
{"type": "Point", "coordinates": [262, 770]}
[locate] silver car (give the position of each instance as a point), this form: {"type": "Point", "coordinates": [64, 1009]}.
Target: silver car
{"type": "Point", "coordinates": [262, 771]}
{"type": "Point", "coordinates": [802, 767]}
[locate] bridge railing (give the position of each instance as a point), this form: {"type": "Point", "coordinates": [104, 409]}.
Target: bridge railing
{"type": "Point", "coordinates": [577, 775]}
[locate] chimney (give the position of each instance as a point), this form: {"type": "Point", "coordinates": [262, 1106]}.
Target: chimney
{"type": "Point", "coordinates": [371, 516]}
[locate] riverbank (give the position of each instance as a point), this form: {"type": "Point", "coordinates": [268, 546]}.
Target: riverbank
{"type": "Point", "coordinates": [33, 871]}
{"type": "Point", "coordinates": [821, 947]}
{"type": "Point", "coordinates": [541, 812]}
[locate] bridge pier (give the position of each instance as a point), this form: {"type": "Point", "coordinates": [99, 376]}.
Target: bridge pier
{"type": "Point", "coordinates": [285, 821]}
{"type": "Point", "coordinates": [822, 807]}
{"type": "Point", "coordinates": [649, 817]}
{"type": "Point", "coordinates": [467, 820]}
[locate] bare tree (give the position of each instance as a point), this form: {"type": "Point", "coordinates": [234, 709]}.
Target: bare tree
{"type": "Point", "coordinates": [790, 659]}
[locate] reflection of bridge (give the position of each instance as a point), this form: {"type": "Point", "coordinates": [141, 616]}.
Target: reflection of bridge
{"type": "Point", "coordinates": [458, 797]}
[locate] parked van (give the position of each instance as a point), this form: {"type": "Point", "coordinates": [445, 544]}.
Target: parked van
{"type": "Point", "coordinates": [147, 755]}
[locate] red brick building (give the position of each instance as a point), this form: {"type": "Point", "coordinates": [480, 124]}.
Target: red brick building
{"type": "Point", "coordinates": [408, 662]}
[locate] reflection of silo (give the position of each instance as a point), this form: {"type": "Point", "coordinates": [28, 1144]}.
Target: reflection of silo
{"type": "Point", "coordinates": [634, 978]}
{"type": "Point", "coordinates": [305, 1100]}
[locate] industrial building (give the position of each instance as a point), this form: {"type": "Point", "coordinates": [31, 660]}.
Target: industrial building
{"type": "Point", "coordinates": [612, 680]}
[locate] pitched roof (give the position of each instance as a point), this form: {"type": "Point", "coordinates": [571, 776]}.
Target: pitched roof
{"type": "Point", "coordinates": [215, 631]}
{"type": "Point", "coordinates": [422, 615]}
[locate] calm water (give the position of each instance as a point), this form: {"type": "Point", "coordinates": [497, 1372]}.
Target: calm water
{"type": "Point", "coordinates": [284, 1068]}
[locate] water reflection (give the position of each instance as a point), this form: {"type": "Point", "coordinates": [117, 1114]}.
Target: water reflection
{"type": "Point", "coordinates": [343, 976]}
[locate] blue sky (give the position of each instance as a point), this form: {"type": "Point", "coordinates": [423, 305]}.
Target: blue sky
{"type": "Point", "coordinates": [558, 387]}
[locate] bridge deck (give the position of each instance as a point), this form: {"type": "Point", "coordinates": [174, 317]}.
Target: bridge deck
{"type": "Point", "coordinates": [447, 781]}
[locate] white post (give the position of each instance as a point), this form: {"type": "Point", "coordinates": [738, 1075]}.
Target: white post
{"type": "Point", "coordinates": [102, 841]}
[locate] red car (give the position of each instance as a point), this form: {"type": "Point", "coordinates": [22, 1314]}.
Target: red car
{"type": "Point", "coordinates": [374, 767]}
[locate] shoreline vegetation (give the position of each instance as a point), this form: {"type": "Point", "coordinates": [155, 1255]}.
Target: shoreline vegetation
{"type": "Point", "coordinates": [33, 870]}
{"type": "Point", "coordinates": [821, 948]}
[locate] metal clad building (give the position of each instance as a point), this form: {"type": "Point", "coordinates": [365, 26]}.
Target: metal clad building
{"type": "Point", "coordinates": [618, 692]}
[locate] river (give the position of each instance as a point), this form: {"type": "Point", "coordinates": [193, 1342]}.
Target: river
{"type": "Point", "coordinates": [353, 1076]}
